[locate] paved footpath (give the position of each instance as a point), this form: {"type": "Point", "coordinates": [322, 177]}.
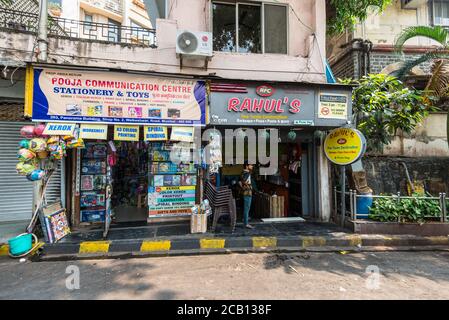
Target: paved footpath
{"type": "Point", "coordinates": [304, 275]}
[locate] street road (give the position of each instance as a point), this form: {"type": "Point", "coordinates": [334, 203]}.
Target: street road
{"type": "Point", "coordinates": [379, 275]}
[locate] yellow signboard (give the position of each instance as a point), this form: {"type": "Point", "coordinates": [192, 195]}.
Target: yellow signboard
{"type": "Point", "coordinates": [155, 133]}
{"type": "Point", "coordinates": [59, 129]}
{"type": "Point", "coordinates": [344, 146]}
{"type": "Point", "coordinates": [332, 106]}
{"type": "Point", "coordinates": [94, 131]}
{"type": "Point", "coordinates": [126, 133]}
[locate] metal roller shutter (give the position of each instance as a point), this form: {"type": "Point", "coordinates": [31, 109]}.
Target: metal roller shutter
{"type": "Point", "coordinates": [16, 192]}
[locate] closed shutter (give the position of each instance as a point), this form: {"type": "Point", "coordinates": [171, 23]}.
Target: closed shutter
{"type": "Point", "coordinates": [16, 192]}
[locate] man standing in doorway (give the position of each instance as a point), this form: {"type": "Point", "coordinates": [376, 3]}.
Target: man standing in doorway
{"type": "Point", "coordinates": [247, 186]}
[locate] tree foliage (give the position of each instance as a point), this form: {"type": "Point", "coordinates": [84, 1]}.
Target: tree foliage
{"type": "Point", "coordinates": [438, 85]}
{"type": "Point", "coordinates": [383, 105]}
{"type": "Point", "coordinates": [346, 13]}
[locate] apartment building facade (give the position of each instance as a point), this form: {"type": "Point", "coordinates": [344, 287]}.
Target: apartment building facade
{"type": "Point", "coordinates": [261, 50]}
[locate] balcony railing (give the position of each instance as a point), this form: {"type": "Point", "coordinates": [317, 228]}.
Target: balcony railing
{"type": "Point", "coordinates": [28, 22]}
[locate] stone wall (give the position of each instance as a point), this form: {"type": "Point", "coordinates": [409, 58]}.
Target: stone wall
{"type": "Point", "coordinates": [387, 175]}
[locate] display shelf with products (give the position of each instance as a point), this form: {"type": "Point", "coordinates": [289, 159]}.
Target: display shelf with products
{"type": "Point", "coordinates": [93, 182]}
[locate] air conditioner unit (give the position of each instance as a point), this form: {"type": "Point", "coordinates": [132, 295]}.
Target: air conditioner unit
{"type": "Point", "coordinates": [194, 44]}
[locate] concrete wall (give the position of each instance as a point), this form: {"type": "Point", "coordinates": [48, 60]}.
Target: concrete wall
{"type": "Point", "coordinates": [429, 140]}
{"type": "Point", "coordinates": [303, 63]}
{"type": "Point", "coordinates": [387, 175]}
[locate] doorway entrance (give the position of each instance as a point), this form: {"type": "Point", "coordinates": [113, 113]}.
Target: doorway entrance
{"type": "Point", "coordinates": [130, 183]}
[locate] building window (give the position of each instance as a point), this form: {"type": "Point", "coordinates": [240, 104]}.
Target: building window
{"type": "Point", "coordinates": [249, 27]}
{"type": "Point", "coordinates": [88, 20]}
{"type": "Point", "coordinates": [113, 31]}
{"type": "Point", "coordinates": [441, 13]}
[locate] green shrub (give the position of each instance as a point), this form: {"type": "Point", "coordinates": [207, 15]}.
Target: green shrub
{"type": "Point", "coordinates": [405, 210]}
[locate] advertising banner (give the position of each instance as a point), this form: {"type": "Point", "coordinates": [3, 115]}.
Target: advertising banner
{"type": "Point", "coordinates": [155, 133]}
{"type": "Point", "coordinates": [182, 134]}
{"type": "Point", "coordinates": [59, 129]}
{"type": "Point", "coordinates": [259, 104]}
{"type": "Point", "coordinates": [94, 131]}
{"type": "Point", "coordinates": [171, 201]}
{"type": "Point", "coordinates": [116, 98]}
{"type": "Point", "coordinates": [126, 133]}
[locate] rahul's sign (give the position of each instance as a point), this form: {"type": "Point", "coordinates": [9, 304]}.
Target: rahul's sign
{"type": "Point", "coordinates": [278, 105]}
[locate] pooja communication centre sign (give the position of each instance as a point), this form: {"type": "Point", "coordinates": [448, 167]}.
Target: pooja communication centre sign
{"type": "Point", "coordinates": [114, 98]}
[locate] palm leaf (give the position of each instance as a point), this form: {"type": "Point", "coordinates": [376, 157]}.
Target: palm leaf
{"type": "Point", "coordinates": [407, 66]}
{"type": "Point", "coordinates": [437, 33]}
{"type": "Point", "coordinates": [439, 81]}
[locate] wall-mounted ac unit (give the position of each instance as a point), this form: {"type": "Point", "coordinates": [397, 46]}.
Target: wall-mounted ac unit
{"type": "Point", "coordinates": [194, 44]}
{"type": "Point", "coordinates": [413, 4]}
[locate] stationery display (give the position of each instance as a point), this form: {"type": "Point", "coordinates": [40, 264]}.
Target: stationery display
{"type": "Point", "coordinates": [55, 225]}
{"type": "Point", "coordinates": [93, 182]}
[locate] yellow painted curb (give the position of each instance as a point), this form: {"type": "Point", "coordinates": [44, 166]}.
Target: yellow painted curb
{"type": "Point", "coordinates": [313, 242]}
{"type": "Point", "coordinates": [212, 243]}
{"type": "Point", "coordinates": [439, 240]}
{"type": "Point", "coordinates": [4, 250]}
{"type": "Point", "coordinates": [264, 242]}
{"type": "Point", "coordinates": [355, 241]}
{"type": "Point", "coordinates": [155, 246]}
{"type": "Point", "coordinates": [94, 247]}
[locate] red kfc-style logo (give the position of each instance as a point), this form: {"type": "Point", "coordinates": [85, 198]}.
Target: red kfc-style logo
{"type": "Point", "coordinates": [265, 91]}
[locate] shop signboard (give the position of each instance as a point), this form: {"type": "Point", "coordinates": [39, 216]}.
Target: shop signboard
{"type": "Point", "coordinates": [155, 133]}
{"type": "Point", "coordinates": [333, 106]}
{"type": "Point", "coordinates": [115, 98]}
{"type": "Point", "coordinates": [94, 131]}
{"type": "Point", "coordinates": [173, 201]}
{"type": "Point", "coordinates": [126, 133]}
{"type": "Point", "coordinates": [183, 134]}
{"type": "Point", "coordinates": [59, 129]}
{"type": "Point", "coordinates": [258, 104]}
{"type": "Point", "coordinates": [344, 146]}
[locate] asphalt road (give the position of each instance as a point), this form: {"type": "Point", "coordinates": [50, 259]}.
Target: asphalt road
{"type": "Point", "coordinates": [380, 275]}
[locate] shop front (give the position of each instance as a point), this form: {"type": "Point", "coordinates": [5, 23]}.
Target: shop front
{"type": "Point", "coordinates": [278, 127]}
{"type": "Point", "coordinates": [135, 162]}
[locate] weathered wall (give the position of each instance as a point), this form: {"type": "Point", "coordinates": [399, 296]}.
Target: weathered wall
{"type": "Point", "coordinates": [428, 140]}
{"type": "Point", "coordinates": [387, 174]}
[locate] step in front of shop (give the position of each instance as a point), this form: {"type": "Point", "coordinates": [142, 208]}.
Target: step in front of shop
{"type": "Point", "coordinates": [189, 246]}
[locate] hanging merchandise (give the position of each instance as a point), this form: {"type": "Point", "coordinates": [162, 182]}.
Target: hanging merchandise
{"type": "Point", "coordinates": [24, 144]}
{"type": "Point", "coordinates": [36, 175]}
{"type": "Point", "coordinates": [25, 168]}
{"type": "Point", "coordinates": [25, 155]}
{"type": "Point", "coordinates": [38, 145]}
{"type": "Point", "coordinates": [39, 130]}
{"type": "Point", "coordinates": [27, 132]}
{"type": "Point", "coordinates": [214, 155]}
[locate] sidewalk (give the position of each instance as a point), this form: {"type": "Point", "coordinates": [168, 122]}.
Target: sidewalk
{"type": "Point", "coordinates": [175, 239]}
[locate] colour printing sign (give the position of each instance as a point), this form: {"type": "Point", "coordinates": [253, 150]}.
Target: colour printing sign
{"type": "Point", "coordinates": [94, 131]}
{"type": "Point", "coordinates": [155, 133]}
{"type": "Point", "coordinates": [344, 146]}
{"type": "Point", "coordinates": [257, 104]}
{"type": "Point", "coordinates": [173, 201]}
{"type": "Point", "coordinates": [126, 133]}
{"type": "Point", "coordinates": [333, 106]}
{"type": "Point", "coordinates": [111, 97]}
